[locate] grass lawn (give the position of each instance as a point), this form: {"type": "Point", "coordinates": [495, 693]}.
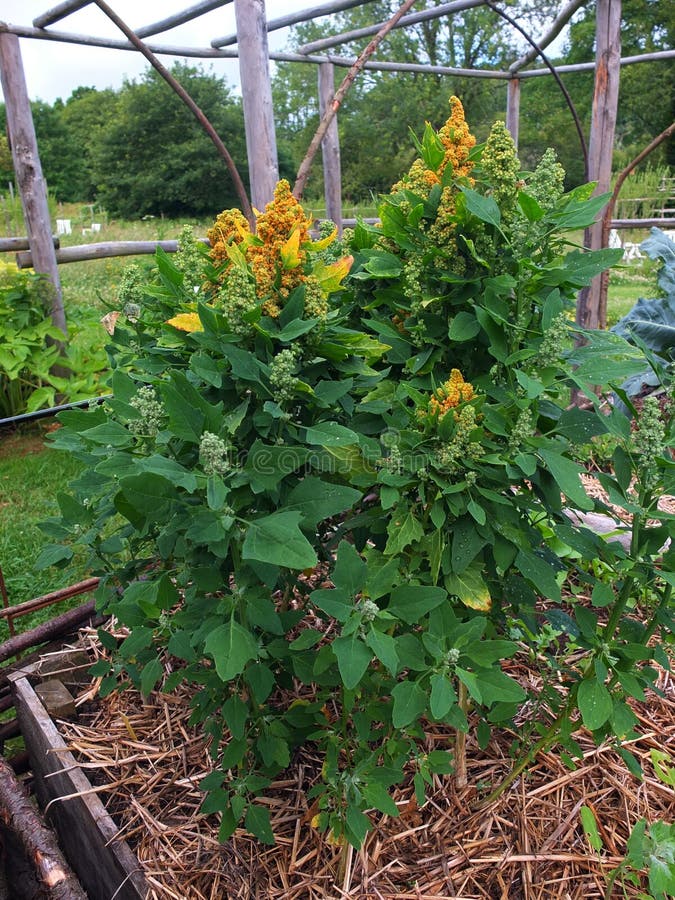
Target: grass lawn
{"type": "Point", "coordinates": [31, 476]}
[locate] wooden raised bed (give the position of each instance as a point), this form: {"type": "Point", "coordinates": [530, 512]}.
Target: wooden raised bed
{"type": "Point", "coordinates": [105, 865]}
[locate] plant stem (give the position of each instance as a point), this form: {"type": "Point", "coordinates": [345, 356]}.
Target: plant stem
{"type": "Point", "coordinates": [460, 740]}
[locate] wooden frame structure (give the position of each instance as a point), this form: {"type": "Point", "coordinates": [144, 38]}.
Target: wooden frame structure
{"type": "Point", "coordinates": [254, 57]}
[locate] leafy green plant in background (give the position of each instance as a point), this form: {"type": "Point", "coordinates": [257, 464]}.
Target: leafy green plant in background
{"type": "Point", "coordinates": [651, 323]}
{"type": "Point", "coordinates": [28, 350]}
{"type": "Point", "coordinates": [321, 495]}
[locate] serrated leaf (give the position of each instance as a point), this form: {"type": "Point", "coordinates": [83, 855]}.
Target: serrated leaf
{"type": "Point", "coordinates": [379, 798]}
{"type": "Point", "coordinates": [258, 823]}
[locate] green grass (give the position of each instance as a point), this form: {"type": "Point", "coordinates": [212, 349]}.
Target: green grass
{"type": "Point", "coordinates": [30, 478]}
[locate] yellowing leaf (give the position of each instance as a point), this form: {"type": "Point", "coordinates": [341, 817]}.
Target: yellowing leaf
{"type": "Point", "coordinates": [316, 246]}
{"type": "Point", "coordinates": [330, 277]}
{"type": "Point", "coordinates": [186, 322]}
{"type": "Point", "coordinates": [290, 251]}
{"type": "Point", "coordinates": [470, 588]}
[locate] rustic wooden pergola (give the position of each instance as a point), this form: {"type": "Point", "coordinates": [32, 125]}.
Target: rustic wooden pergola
{"type": "Point", "coordinates": [254, 57]}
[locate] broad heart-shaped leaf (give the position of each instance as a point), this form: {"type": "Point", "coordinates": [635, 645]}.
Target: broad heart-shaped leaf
{"type": "Point", "coordinates": [470, 587]}
{"type": "Point", "coordinates": [566, 473]}
{"type": "Point", "coordinates": [353, 658]}
{"type": "Point", "coordinates": [317, 500]}
{"type": "Point", "coordinates": [410, 602]}
{"type": "Point", "coordinates": [463, 327]}
{"type": "Point", "coordinates": [277, 540]}
{"type": "Point", "coordinates": [410, 701]}
{"type": "Point", "coordinates": [231, 647]}
{"type": "Point", "coordinates": [349, 574]}
{"type": "Point", "coordinates": [484, 208]}
{"type": "Point", "coordinates": [594, 702]}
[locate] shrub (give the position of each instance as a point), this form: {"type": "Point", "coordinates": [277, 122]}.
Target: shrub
{"type": "Point", "coordinates": [324, 498]}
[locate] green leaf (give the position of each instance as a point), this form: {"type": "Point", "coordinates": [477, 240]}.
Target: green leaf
{"type": "Point", "coordinates": [566, 473]}
{"type": "Point", "coordinates": [358, 826]}
{"type": "Point", "coordinates": [231, 647]}
{"type": "Point", "coordinates": [330, 434]}
{"type": "Point", "coordinates": [110, 434]}
{"type": "Point", "coordinates": [530, 207]}
{"type": "Point", "coordinates": [590, 827]}
{"type": "Point", "coordinates": [383, 264]}
{"type": "Point", "coordinates": [257, 822]}
{"type": "Point", "coordinates": [595, 703]}
{"type": "Point", "coordinates": [169, 469]}
{"type": "Point", "coordinates": [317, 499]}
{"type": "Point", "coordinates": [150, 675]}
{"type": "Point", "coordinates": [377, 796]}
{"type": "Point", "coordinates": [235, 713]}
{"type": "Point", "coordinates": [402, 533]}
{"type": "Point", "coordinates": [411, 602]}
{"type": "Point", "coordinates": [334, 602]}
{"type": "Point", "coordinates": [277, 540]}
{"type": "Point", "coordinates": [484, 208]}
{"type": "Point", "coordinates": [353, 658]}
{"type": "Point", "coordinates": [410, 701]}
{"type": "Point", "coordinates": [463, 327]}
{"type": "Point", "coordinates": [540, 573]}
{"type": "Point", "coordinates": [470, 587]}
{"type": "Point", "coordinates": [261, 681]}
{"type": "Point", "coordinates": [442, 696]}
{"type": "Point", "coordinates": [383, 646]}
{"type": "Point", "coordinates": [350, 570]}
{"type": "Point", "coordinates": [52, 555]}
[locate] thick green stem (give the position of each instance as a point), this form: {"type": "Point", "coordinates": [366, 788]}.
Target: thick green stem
{"type": "Point", "coordinates": [460, 740]}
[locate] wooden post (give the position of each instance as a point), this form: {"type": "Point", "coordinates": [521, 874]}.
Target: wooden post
{"type": "Point", "coordinates": [256, 92]}
{"type": "Point", "coordinates": [28, 170]}
{"type": "Point", "coordinates": [590, 313]}
{"type": "Point", "coordinates": [330, 148]}
{"type": "Point", "coordinates": [513, 108]}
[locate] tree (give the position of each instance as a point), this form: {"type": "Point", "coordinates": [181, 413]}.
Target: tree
{"type": "Point", "coordinates": [85, 115]}
{"type": "Point", "coordinates": [153, 158]}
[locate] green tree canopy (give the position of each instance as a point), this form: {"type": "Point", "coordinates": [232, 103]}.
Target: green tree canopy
{"type": "Point", "coordinates": [152, 157]}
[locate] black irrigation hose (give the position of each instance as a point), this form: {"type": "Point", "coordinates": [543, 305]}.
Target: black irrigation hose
{"type": "Point", "coordinates": [52, 411]}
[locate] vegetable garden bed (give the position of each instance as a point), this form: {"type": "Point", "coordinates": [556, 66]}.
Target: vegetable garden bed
{"type": "Point", "coordinates": [146, 762]}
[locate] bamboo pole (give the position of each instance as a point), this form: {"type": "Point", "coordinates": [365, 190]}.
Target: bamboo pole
{"type": "Point", "coordinates": [331, 112]}
{"type": "Point", "coordinates": [256, 93]}
{"type": "Point", "coordinates": [330, 148]}
{"type": "Point", "coordinates": [28, 170]}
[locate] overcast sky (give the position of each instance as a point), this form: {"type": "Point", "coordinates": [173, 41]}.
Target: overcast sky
{"type": "Point", "coordinates": [53, 69]}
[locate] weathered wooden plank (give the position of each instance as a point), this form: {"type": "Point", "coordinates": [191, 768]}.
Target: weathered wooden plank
{"type": "Point", "coordinates": [101, 250]}
{"type": "Point", "coordinates": [256, 93]}
{"type": "Point", "coordinates": [330, 148]}
{"type": "Point", "coordinates": [59, 12]}
{"type": "Point", "coordinates": [293, 18]}
{"type": "Point", "coordinates": [513, 108]}
{"type": "Point", "coordinates": [90, 839]}
{"type": "Point", "coordinates": [590, 311]}
{"type": "Point", "coordinates": [13, 244]}
{"type": "Point", "coordinates": [179, 18]}
{"type": "Point", "coordinates": [28, 170]}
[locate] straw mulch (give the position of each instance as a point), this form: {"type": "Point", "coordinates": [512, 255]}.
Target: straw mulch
{"type": "Point", "coordinates": [527, 844]}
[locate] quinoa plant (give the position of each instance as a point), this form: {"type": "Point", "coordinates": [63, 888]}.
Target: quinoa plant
{"type": "Point", "coordinates": [338, 504]}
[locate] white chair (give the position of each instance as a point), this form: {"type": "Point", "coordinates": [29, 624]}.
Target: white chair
{"type": "Point", "coordinates": [63, 226]}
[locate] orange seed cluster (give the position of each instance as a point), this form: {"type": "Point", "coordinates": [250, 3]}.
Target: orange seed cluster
{"type": "Point", "coordinates": [450, 395]}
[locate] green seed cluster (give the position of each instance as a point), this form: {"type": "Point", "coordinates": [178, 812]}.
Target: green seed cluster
{"type": "Point", "coordinates": [151, 410]}
{"type": "Point", "coordinates": [556, 338]}
{"type": "Point", "coordinates": [649, 441]}
{"type": "Point", "coordinates": [501, 165]}
{"type": "Point", "coordinates": [190, 260]}
{"type": "Point", "coordinates": [547, 182]}
{"type": "Point", "coordinates": [521, 431]}
{"type": "Point", "coordinates": [462, 446]}
{"type": "Point", "coordinates": [316, 304]}
{"type": "Point", "coordinates": [237, 297]}
{"type": "Point", "coordinates": [130, 290]}
{"type": "Point", "coordinates": [214, 454]}
{"type": "Point", "coordinates": [369, 610]}
{"type": "Point", "coordinates": [283, 380]}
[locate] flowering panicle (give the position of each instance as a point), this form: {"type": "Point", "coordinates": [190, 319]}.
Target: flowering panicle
{"type": "Point", "coordinates": [151, 412]}
{"type": "Point", "coordinates": [450, 395]}
{"type": "Point", "coordinates": [236, 297]}
{"type": "Point", "coordinates": [649, 441]}
{"type": "Point", "coordinates": [130, 290]}
{"type": "Point", "coordinates": [189, 260]}
{"type": "Point", "coordinates": [501, 165]}
{"type": "Point", "coordinates": [230, 227]}
{"type": "Point", "coordinates": [282, 379]}
{"type": "Point", "coordinates": [214, 454]}
{"type": "Point", "coordinates": [547, 182]}
{"type": "Point", "coordinates": [462, 447]}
